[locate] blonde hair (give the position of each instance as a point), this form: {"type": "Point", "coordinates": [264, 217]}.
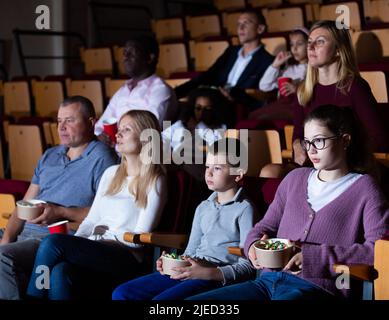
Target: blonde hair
{"type": "Point", "coordinates": [149, 171]}
{"type": "Point", "coordinates": [347, 63]}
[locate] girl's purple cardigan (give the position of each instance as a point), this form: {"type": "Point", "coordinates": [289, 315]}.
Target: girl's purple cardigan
{"type": "Point", "coordinates": [344, 231]}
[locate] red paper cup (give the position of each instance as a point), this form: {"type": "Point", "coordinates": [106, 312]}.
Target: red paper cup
{"type": "Point", "coordinates": [281, 81]}
{"type": "Point", "coordinates": [59, 227]}
{"type": "Point", "coordinates": [111, 128]}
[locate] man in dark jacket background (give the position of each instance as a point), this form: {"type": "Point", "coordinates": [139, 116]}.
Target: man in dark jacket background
{"type": "Point", "coordinates": [239, 67]}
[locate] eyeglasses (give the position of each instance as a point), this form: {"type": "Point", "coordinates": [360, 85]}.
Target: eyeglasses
{"type": "Point", "coordinates": [317, 143]}
{"type": "Point", "coordinates": [317, 43]}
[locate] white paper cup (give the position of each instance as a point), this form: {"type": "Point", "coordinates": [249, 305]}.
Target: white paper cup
{"type": "Point", "coordinates": [169, 263]}
{"type": "Point", "coordinates": [273, 259]}
{"type": "Point", "coordinates": [29, 212]}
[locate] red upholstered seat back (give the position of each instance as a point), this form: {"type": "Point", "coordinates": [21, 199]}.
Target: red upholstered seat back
{"type": "Point", "coordinates": [184, 195]}
{"type": "Point", "coordinates": [15, 187]}
{"type": "Point", "coordinates": [261, 191]}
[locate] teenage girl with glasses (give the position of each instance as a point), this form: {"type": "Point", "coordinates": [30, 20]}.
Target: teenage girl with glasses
{"type": "Point", "coordinates": [334, 212]}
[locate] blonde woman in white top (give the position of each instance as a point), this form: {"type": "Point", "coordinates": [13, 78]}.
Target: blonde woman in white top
{"type": "Point", "coordinates": [130, 197]}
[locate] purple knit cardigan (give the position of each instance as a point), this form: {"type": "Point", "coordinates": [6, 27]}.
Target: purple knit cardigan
{"type": "Point", "coordinates": [343, 231]}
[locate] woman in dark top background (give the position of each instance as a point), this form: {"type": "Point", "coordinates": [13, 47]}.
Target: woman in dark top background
{"type": "Point", "coordinates": [333, 78]}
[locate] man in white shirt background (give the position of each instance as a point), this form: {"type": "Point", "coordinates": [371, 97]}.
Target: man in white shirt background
{"type": "Point", "coordinates": [144, 90]}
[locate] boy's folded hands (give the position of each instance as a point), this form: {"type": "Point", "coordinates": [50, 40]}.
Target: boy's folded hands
{"type": "Point", "coordinates": [198, 269]}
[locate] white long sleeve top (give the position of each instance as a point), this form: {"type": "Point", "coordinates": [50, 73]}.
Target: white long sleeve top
{"type": "Point", "coordinates": [150, 94]}
{"type": "Point", "coordinates": [112, 215]}
{"type": "Point", "coordinates": [269, 79]}
{"type": "Point", "coordinates": [175, 134]}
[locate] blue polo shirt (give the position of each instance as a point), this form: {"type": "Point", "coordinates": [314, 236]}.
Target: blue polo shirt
{"type": "Point", "coordinates": [72, 183]}
{"type": "Point", "coordinates": [217, 226]}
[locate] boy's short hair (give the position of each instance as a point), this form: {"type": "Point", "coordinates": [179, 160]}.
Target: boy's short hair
{"type": "Point", "coordinates": [233, 148]}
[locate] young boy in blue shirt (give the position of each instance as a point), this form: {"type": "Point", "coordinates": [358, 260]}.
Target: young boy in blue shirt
{"type": "Point", "coordinates": [221, 221]}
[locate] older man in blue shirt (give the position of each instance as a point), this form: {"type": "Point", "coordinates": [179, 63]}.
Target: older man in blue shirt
{"type": "Point", "coordinates": [66, 177]}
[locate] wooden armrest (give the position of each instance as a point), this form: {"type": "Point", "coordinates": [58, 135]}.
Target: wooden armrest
{"type": "Point", "coordinates": [132, 237]}
{"type": "Point", "coordinates": [287, 154]}
{"type": "Point", "coordinates": [161, 239]}
{"type": "Point", "coordinates": [382, 158]}
{"type": "Point", "coordinates": [380, 155]}
{"type": "Point", "coordinates": [6, 215]}
{"type": "Point", "coordinates": [361, 272]}
{"type": "Point", "coordinates": [261, 95]}
{"type": "Point", "coordinates": [237, 251]}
